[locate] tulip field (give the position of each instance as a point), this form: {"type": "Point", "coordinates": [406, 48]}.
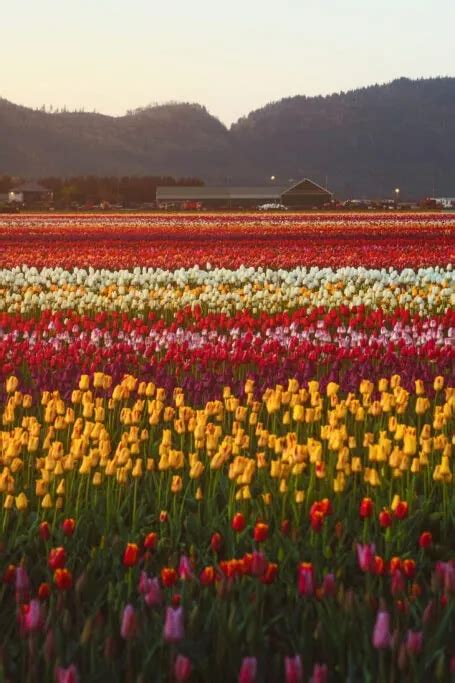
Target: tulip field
{"type": "Point", "coordinates": [227, 448]}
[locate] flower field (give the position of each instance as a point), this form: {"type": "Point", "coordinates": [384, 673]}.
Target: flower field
{"type": "Point", "coordinates": [227, 448]}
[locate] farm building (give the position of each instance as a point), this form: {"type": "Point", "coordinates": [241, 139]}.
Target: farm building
{"type": "Point", "coordinates": [29, 193]}
{"type": "Point", "coordinates": [305, 194]}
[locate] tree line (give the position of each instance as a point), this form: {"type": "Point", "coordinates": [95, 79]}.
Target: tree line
{"type": "Point", "coordinates": [88, 190]}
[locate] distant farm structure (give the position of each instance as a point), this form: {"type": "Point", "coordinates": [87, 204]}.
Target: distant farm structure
{"type": "Point", "coordinates": [305, 194]}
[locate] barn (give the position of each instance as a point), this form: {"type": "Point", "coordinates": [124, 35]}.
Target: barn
{"type": "Point", "coordinates": [29, 193]}
{"type": "Point", "coordinates": [304, 194]}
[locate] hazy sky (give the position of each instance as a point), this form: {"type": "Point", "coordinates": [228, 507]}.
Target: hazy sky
{"type": "Point", "coordinates": [232, 56]}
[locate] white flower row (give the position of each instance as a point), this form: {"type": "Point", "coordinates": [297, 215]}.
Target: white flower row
{"type": "Point", "coordinates": [24, 289]}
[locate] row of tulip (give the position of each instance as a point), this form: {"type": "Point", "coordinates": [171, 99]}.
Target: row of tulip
{"type": "Point", "coordinates": [228, 241]}
{"type": "Point", "coordinates": [203, 353]}
{"type": "Point", "coordinates": [304, 535]}
{"type": "Point", "coordinates": [28, 290]}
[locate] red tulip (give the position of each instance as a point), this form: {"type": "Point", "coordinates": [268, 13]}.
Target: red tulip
{"type": "Point", "coordinates": [44, 531]}
{"type": "Point", "coordinates": [306, 584]}
{"type": "Point", "coordinates": [57, 558]}
{"type": "Point", "coordinates": [69, 526]}
{"type": "Point", "coordinates": [402, 510]}
{"type": "Point", "coordinates": [169, 576]}
{"type": "Point", "coordinates": [151, 540]}
{"type": "Point", "coordinates": [261, 532]}
{"type": "Point", "coordinates": [130, 555]}
{"type": "Point", "coordinates": [207, 576]}
{"type": "Point", "coordinates": [366, 508]}
{"type": "Point", "coordinates": [238, 522]}
{"type": "Point", "coordinates": [63, 579]}
{"type": "Point", "coordinates": [385, 519]}
{"type": "Point", "coordinates": [44, 591]}
{"type": "Point", "coordinates": [425, 540]}
{"type": "Point", "coordinates": [216, 542]}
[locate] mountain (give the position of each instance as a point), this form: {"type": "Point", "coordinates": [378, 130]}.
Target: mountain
{"type": "Point", "coordinates": [364, 142]}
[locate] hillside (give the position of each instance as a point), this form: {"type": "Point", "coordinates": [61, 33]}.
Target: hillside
{"type": "Point", "coordinates": [364, 142]}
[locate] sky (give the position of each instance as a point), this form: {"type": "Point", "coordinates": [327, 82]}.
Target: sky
{"type": "Point", "coordinates": [231, 56]}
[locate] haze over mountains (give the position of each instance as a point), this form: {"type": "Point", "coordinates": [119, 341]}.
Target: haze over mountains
{"type": "Point", "coordinates": [364, 142]}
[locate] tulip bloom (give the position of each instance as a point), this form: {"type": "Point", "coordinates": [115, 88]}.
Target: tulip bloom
{"type": "Point", "coordinates": [130, 555]}
{"type": "Point", "coordinates": [238, 522]}
{"type": "Point", "coordinates": [414, 642]}
{"type": "Point", "coordinates": [366, 508]}
{"type": "Point", "coordinates": [402, 510]}
{"type": "Point", "coordinates": [261, 532]}
{"type": "Point", "coordinates": [293, 669]}
{"type": "Point", "coordinates": [151, 540]}
{"type": "Point", "coordinates": [365, 556]}
{"type": "Point", "coordinates": [425, 540]}
{"type": "Point", "coordinates": [381, 632]}
{"type": "Point", "coordinates": [69, 675]}
{"type": "Point", "coordinates": [128, 627]}
{"type": "Point", "coordinates": [44, 531]}
{"type": "Point", "coordinates": [320, 674]}
{"type": "Point", "coordinates": [216, 542]}
{"type": "Point", "coordinates": [44, 591]}
{"type": "Point", "coordinates": [207, 576]}
{"type": "Point", "coordinates": [185, 570]}
{"type": "Point", "coordinates": [385, 519]}
{"type": "Point", "coordinates": [57, 558]}
{"type": "Point", "coordinates": [248, 670]}
{"type": "Point", "coordinates": [182, 668]}
{"type": "Point", "coordinates": [305, 581]}
{"type": "Point", "coordinates": [63, 579]}
{"type": "Point", "coordinates": [174, 630]}
{"type": "Point", "coordinates": [68, 526]}
{"type": "Point", "coordinates": [32, 620]}
{"type": "Point", "coordinates": [169, 576]}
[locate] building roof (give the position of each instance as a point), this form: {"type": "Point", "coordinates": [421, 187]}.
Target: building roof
{"type": "Point", "coordinates": [307, 186]}
{"type": "Point", "coordinates": [30, 187]}
{"type": "Point", "coordinates": [268, 192]}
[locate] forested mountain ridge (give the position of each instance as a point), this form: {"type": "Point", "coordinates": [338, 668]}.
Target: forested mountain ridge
{"type": "Point", "coordinates": [364, 142]}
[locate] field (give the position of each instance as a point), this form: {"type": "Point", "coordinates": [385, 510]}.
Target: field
{"type": "Point", "coordinates": [227, 448]}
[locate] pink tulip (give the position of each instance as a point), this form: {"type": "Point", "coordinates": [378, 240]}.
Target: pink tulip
{"type": "Point", "coordinates": [182, 668]}
{"type": "Point", "coordinates": [320, 674]}
{"type": "Point", "coordinates": [414, 642]}
{"type": "Point", "coordinates": [248, 670]}
{"type": "Point", "coordinates": [69, 675]}
{"type": "Point", "coordinates": [128, 628]}
{"type": "Point", "coordinates": [293, 669]}
{"type": "Point", "coordinates": [185, 569]}
{"type": "Point", "coordinates": [174, 629]}
{"type": "Point", "coordinates": [154, 595]}
{"type": "Point", "coordinates": [381, 632]}
{"type": "Point", "coordinates": [365, 556]}
{"type": "Point", "coordinates": [33, 620]}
